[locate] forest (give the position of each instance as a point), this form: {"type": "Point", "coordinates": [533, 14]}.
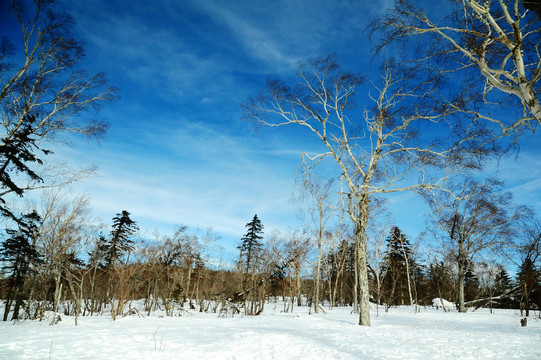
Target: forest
{"type": "Point", "coordinates": [462, 91]}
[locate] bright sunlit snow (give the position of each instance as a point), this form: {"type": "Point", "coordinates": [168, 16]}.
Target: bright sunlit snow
{"type": "Point", "coordinates": [398, 334]}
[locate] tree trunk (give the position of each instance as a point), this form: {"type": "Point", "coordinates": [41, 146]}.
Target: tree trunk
{"type": "Point", "coordinates": [360, 243]}
{"type": "Point", "coordinates": [355, 284]}
{"type": "Point", "coordinates": [406, 258]}
{"type": "Point", "coordinates": [57, 296]}
{"type": "Point", "coordinates": [9, 297]}
{"type": "Point", "coordinates": [461, 281]}
{"type": "Point", "coordinates": [318, 271]}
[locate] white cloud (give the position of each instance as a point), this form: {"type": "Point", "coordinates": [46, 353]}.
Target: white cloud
{"type": "Point", "coordinates": [202, 178]}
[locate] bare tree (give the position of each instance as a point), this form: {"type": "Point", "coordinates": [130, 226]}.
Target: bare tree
{"type": "Point", "coordinates": [320, 213]}
{"type": "Point", "coordinates": [61, 240]}
{"type": "Point", "coordinates": [496, 44]}
{"type": "Point", "coordinates": [377, 256]}
{"type": "Point", "coordinates": [377, 152]}
{"type": "Point", "coordinates": [43, 95]}
{"type": "Point", "coordinates": [291, 248]}
{"type": "Point", "coordinates": [477, 217]}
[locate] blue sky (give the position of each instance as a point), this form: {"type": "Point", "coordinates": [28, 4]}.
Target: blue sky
{"type": "Point", "coordinates": [178, 152]}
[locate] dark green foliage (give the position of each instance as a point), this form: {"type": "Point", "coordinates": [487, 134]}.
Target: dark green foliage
{"type": "Point", "coordinates": [503, 286]}
{"type": "Point", "coordinates": [17, 153]}
{"type": "Point", "coordinates": [398, 261]}
{"type": "Point", "coordinates": [529, 278]}
{"type": "Point", "coordinates": [18, 253]}
{"type": "Point", "coordinates": [471, 284]}
{"type": "Point", "coordinates": [502, 281]}
{"type": "Point", "coordinates": [113, 249]}
{"type": "Point", "coordinates": [440, 278]}
{"type": "Point", "coordinates": [251, 243]}
{"type": "Point", "coordinates": [529, 274]}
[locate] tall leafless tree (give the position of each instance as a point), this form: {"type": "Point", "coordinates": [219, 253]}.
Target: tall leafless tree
{"type": "Point", "coordinates": [320, 212]}
{"type": "Point", "coordinates": [62, 237]}
{"type": "Point", "coordinates": [376, 151]}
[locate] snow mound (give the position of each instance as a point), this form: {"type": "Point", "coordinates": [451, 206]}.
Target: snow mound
{"type": "Point", "coordinates": [442, 303]}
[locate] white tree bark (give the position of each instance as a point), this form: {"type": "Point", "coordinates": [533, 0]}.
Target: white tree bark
{"type": "Point", "coordinates": [383, 160]}
{"type": "Point", "coordinates": [500, 39]}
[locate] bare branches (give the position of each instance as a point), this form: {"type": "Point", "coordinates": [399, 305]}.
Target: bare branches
{"type": "Point", "coordinates": [387, 148]}
{"type": "Point", "coordinates": [500, 40]}
{"type": "Point", "coordinates": [48, 84]}
{"type": "Point", "coordinates": [45, 94]}
{"type": "Point", "coordinates": [474, 218]}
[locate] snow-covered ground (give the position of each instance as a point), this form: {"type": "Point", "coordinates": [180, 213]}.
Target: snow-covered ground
{"type": "Point", "coordinates": [398, 334]}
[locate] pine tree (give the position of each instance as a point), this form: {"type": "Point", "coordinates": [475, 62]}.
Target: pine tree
{"type": "Point", "coordinates": [250, 249]}
{"type": "Point", "coordinates": [17, 154]}
{"type": "Point", "coordinates": [111, 250]}
{"type": "Point", "coordinates": [18, 253]}
{"type": "Point", "coordinates": [502, 285]}
{"type": "Point", "coordinates": [529, 278]}
{"type": "Point", "coordinates": [502, 281]}
{"type": "Point", "coordinates": [399, 266]}
{"type": "Point", "coordinates": [250, 244]}
{"type": "Point", "coordinates": [472, 288]}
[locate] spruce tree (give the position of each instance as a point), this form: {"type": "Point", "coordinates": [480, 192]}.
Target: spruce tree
{"type": "Point", "coordinates": [251, 244]}
{"type": "Point", "coordinates": [17, 154]}
{"type": "Point", "coordinates": [502, 281]}
{"type": "Point", "coordinates": [440, 280]}
{"type": "Point", "coordinates": [111, 250]}
{"type": "Point", "coordinates": [502, 285]}
{"type": "Point", "coordinates": [250, 249]}
{"type": "Point", "coordinates": [529, 278]}
{"type": "Point", "coordinates": [398, 268]}
{"type": "Point", "coordinates": [18, 253]}
{"type": "Point", "coordinates": [472, 288]}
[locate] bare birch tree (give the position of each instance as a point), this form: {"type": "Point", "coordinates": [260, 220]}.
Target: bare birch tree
{"type": "Point", "coordinates": [377, 255]}
{"type": "Point", "coordinates": [320, 213]}
{"type": "Point", "coordinates": [376, 151]}
{"type": "Point", "coordinates": [475, 218]}
{"type": "Point", "coordinates": [61, 241]}
{"type": "Point", "coordinates": [493, 44]}
{"type": "Point", "coordinates": [43, 93]}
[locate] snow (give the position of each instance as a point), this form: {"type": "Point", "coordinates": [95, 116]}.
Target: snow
{"type": "Point", "coordinates": [398, 334]}
{"type": "Point", "coordinates": [442, 303]}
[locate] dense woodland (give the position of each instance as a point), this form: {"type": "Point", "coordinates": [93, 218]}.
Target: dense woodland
{"type": "Point", "coordinates": [419, 135]}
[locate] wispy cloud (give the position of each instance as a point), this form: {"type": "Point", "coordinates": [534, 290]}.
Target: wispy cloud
{"type": "Point", "coordinates": [177, 151]}
{"type": "Point", "coordinates": [201, 178]}
{"type": "Point", "coordinates": [521, 176]}
{"type": "Point", "coordinates": [279, 34]}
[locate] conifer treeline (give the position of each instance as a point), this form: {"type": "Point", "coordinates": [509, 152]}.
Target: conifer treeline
{"type": "Point", "coordinates": [43, 272]}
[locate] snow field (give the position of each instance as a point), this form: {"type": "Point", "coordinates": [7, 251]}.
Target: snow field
{"type": "Point", "coordinates": [398, 334]}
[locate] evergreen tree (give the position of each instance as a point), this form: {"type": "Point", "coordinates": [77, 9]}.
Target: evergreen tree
{"type": "Point", "coordinates": [251, 244]}
{"type": "Point", "coordinates": [529, 274]}
{"type": "Point", "coordinates": [472, 288]}
{"type": "Point", "coordinates": [398, 269]}
{"type": "Point", "coordinates": [111, 250]}
{"type": "Point", "coordinates": [17, 153]}
{"type": "Point", "coordinates": [250, 249]}
{"type": "Point", "coordinates": [440, 280]}
{"type": "Point", "coordinates": [18, 253]}
{"type": "Point", "coordinates": [503, 284]}
{"type": "Point", "coordinates": [529, 278]}
{"type": "Point", "coordinates": [502, 281]}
